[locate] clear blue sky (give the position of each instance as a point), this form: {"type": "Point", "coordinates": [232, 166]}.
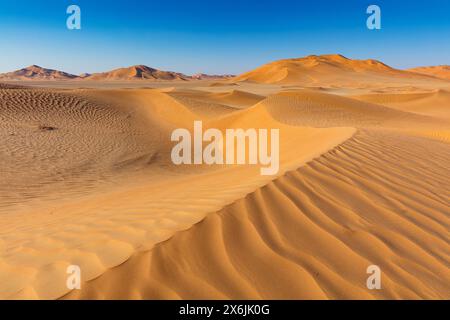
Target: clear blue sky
{"type": "Point", "coordinates": [218, 36]}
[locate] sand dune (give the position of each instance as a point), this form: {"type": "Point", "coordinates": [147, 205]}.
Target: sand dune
{"type": "Point", "coordinates": [436, 71]}
{"type": "Point", "coordinates": [318, 109]}
{"type": "Point", "coordinates": [435, 103]}
{"type": "Point", "coordinates": [87, 179]}
{"type": "Point", "coordinates": [319, 226]}
{"type": "Point", "coordinates": [128, 197]}
{"type": "Point", "coordinates": [330, 70]}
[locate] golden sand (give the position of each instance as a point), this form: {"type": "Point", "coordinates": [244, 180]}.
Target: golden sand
{"type": "Point", "coordinates": [87, 179]}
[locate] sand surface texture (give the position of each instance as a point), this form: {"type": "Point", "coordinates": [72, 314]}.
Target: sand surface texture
{"type": "Point", "coordinates": [364, 179]}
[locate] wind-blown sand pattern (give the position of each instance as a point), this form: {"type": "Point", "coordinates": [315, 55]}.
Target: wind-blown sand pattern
{"type": "Point", "coordinates": [87, 179]}
{"type": "Point", "coordinates": [118, 169]}
{"type": "Point", "coordinates": [319, 226]}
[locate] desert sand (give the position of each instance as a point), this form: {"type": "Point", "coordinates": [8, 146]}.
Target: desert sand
{"type": "Point", "coordinates": [436, 71]}
{"type": "Point", "coordinates": [363, 180]}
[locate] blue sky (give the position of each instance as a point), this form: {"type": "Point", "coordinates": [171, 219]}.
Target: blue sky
{"type": "Point", "coordinates": [218, 36]}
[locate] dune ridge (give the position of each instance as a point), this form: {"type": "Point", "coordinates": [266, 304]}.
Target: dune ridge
{"type": "Point", "coordinates": [333, 69]}
{"type": "Point", "coordinates": [328, 70]}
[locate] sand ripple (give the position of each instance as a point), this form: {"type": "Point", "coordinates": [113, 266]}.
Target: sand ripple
{"type": "Point", "coordinates": [376, 199]}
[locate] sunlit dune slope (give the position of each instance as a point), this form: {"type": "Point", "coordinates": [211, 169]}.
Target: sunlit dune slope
{"type": "Point", "coordinates": [378, 199]}
{"type": "Point", "coordinates": [435, 103]}
{"type": "Point", "coordinates": [57, 142]}
{"type": "Point", "coordinates": [436, 71]}
{"type": "Point", "coordinates": [213, 104]}
{"type": "Point", "coordinates": [89, 181]}
{"type": "Point", "coordinates": [318, 109]}
{"type": "Point", "coordinates": [333, 70]}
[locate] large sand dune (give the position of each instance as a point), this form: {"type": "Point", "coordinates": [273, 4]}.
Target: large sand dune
{"type": "Point", "coordinates": [87, 179]}
{"type": "Point", "coordinates": [97, 162]}
{"type": "Point", "coordinates": [436, 71]}
{"type": "Point", "coordinates": [435, 103]}
{"type": "Point", "coordinates": [312, 233]}
{"type": "Point", "coordinates": [318, 109]}
{"type": "Point", "coordinates": [331, 70]}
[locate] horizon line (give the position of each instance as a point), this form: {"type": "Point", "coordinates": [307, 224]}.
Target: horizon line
{"type": "Point", "coordinates": [218, 74]}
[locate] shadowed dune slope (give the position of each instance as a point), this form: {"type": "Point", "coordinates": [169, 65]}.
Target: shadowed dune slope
{"type": "Point", "coordinates": [379, 198]}
{"type": "Point", "coordinates": [69, 142]}
{"type": "Point", "coordinates": [87, 179]}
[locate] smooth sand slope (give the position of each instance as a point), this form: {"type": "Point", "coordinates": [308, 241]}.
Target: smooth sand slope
{"type": "Point", "coordinates": [318, 109]}
{"type": "Point", "coordinates": [436, 71]}
{"type": "Point", "coordinates": [36, 72]}
{"type": "Point", "coordinates": [214, 104]}
{"type": "Point", "coordinates": [364, 179]}
{"type": "Point", "coordinates": [435, 103]}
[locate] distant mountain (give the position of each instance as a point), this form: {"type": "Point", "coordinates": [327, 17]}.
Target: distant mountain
{"type": "Point", "coordinates": [204, 76]}
{"type": "Point", "coordinates": [35, 72]}
{"type": "Point", "coordinates": [442, 72]}
{"type": "Point", "coordinates": [139, 72]}
{"type": "Point", "coordinates": [333, 69]}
